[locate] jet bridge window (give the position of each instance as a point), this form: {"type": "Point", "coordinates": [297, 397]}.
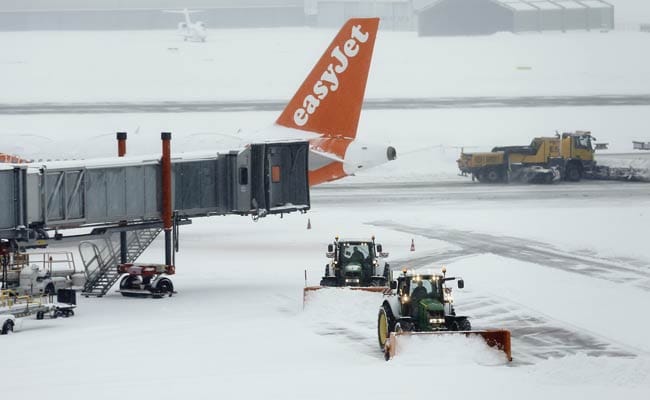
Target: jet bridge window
{"type": "Point", "coordinates": [243, 176]}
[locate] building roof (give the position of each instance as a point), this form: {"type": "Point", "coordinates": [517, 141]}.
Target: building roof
{"type": "Point", "coordinates": [525, 5]}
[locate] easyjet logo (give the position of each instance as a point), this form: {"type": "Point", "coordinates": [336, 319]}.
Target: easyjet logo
{"type": "Point", "coordinates": [329, 80]}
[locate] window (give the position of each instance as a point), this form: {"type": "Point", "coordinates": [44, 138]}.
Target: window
{"type": "Point", "coordinates": [243, 176]}
{"type": "Point", "coordinates": [275, 174]}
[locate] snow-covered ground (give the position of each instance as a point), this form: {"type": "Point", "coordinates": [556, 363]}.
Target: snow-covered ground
{"type": "Point", "coordinates": [271, 63]}
{"type": "Point", "coordinates": [565, 267]}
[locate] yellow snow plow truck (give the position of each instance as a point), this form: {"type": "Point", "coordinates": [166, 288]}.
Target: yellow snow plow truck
{"type": "Point", "coordinates": [569, 157]}
{"type": "Point", "coordinates": [420, 303]}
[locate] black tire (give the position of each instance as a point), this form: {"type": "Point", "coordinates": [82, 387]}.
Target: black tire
{"type": "Point", "coordinates": [453, 325]}
{"type": "Point", "coordinates": [385, 325]}
{"type": "Point", "coordinates": [40, 315]}
{"type": "Point", "coordinates": [328, 281]}
{"type": "Point", "coordinates": [164, 287]}
{"type": "Point", "coordinates": [387, 271]}
{"type": "Point", "coordinates": [573, 173]}
{"type": "Point", "coordinates": [128, 282]}
{"type": "Point", "coordinates": [464, 325]}
{"type": "Point", "coordinates": [378, 282]}
{"type": "Point", "coordinates": [491, 175]}
{"type": "Point", "coordinates": [49, 290]}
{"type": "Point", "coordinates": [7, 327]}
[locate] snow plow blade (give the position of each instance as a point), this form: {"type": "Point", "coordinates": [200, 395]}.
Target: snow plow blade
{"type": "Point", "coordinates": [499, 338]}
{"type": "Point", "coordinates": [375, 289]}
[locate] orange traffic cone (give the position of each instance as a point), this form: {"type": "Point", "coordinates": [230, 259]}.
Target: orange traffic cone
{"type": "Point", "coordinates": [412, 245]}
{"type": "Point", "coordinates": [308, 223]}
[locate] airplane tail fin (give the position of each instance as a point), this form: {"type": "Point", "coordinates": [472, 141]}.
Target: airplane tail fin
{"type": "Point", "coordinates": [329, 101]}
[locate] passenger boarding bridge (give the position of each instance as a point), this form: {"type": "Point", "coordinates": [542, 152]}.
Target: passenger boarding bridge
{"type": "Point", "coordinates": [121, 201]}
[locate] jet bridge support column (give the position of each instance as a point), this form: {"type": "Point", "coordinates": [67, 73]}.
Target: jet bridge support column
{"type": "Point", "coordinates": [121, 152]}
{"type": "Point", "coordinates": [166, 169]}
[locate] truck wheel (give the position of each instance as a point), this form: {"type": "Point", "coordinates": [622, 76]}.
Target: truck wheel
{"type": "Point", "coordinates": [573, 172]}
{"type": "Point", "coordinates": [490, 175]}
{"type": "Point", "coordinates": [7, 327]}
{"type": "Point", "coordinates": [385, 325]}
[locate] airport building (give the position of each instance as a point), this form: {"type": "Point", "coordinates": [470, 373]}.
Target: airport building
{"type": "Point", "coordinates": [482, 17]}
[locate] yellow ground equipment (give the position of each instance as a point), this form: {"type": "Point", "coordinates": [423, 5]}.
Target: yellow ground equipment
{"type": "Point", "coordinates": [421, 304]}
{"type": "Point", "coordinates": [569, 157]}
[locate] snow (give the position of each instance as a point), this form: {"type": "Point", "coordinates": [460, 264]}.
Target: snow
{"type": "Point", "coordinates": [564, 267]}
{"type": "Point", "coordinates": [154, 66]}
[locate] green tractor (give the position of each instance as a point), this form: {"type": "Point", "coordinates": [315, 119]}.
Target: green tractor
{"type": "Point", "coordinates": [355, 263]}
{"type": "Point", "coordinates": [419, 303]}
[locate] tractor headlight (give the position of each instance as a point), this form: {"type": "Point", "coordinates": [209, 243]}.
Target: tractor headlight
{"type": "Point", "coordinates": [436, 321]}
{"type": "Point", "coordinates": [352, 280]}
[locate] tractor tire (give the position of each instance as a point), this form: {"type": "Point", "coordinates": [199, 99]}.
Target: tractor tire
{"type": "Point", "coordinates": [7, 327]}
{"type": "Point", "coordinates": [573, 172]}
{"type": "Point", "coordinates": [378, 282]}
{"type": "Point", "coordinates": [328, 281]}
{"type": "Point", "coordinates": [464, 325]}
{"type": "Point", "coordinates": [385, 325]}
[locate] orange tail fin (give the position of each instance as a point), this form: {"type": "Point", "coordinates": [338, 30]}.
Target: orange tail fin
{"type": "Point", "coordinates": [329, 101]}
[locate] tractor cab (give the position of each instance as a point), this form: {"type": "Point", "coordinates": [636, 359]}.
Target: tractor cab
{"type": "Point", "coordinates": [425, 301]}
{"type": "Point", "coordinates": [355, 263]}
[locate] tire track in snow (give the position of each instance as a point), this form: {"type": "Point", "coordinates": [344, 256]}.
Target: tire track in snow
{"type": "Point", "coordinates": [624, 271]}
{"type": "Point", "coordinates": [535, 336]}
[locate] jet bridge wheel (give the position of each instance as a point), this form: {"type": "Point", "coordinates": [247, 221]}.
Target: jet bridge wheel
{"type": "Point", "coordinates": [164, 287]}
{"type": "Point", "coordinates": [7, 327]}
{"type": "Point", "coordinates": [130, 282]}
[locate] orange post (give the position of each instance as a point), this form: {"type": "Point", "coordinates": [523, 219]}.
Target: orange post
{"type": "Point", "coordinates": [166, 174]}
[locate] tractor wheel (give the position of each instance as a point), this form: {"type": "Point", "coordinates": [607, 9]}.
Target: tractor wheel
{"type": "Point", "coordinates": [573, 172]}
{"type": "Point", "coordinates": [328, 281]}
{"type": "Point", "coordinates": [464, 325]}
{"type": "Point", "coordinates": [7, 327]}
{"type": "Point", "coordinates": [385, 325]}
{"type": "Point", "coordinates": [378, 282]}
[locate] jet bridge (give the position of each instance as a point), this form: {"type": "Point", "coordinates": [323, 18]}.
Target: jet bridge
{"type": "Point", "coordinates": [38, 202]}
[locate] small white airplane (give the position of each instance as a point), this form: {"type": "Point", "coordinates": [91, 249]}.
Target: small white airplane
{"type": "Point", "coordinates": [190, 31]}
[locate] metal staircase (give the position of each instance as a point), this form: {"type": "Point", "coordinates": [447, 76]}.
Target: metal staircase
{"type": "Point", "coordinates": [101, 258]}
